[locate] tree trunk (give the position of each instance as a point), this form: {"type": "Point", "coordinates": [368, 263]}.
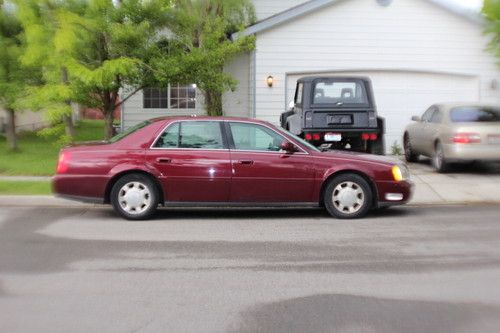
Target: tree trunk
{"type": "Point", "coordinates": [70, 128]}
{"type": "Point", "coordinates": [68, 119]}
{"type": "Point", "coordinates": [11, 129]}
{"type": "Point", "coordinates": [109, 130]}
{"type": "Point", "coordinates": [213, 103]}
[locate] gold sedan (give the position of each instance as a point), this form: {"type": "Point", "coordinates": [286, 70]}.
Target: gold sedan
{"type": "Point", "coordinates": [451, 133]}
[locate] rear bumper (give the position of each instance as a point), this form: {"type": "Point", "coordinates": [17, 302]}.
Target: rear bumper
{"type": "Point", "coordinates": [86, 188]}
{"type": "Point", "coordinates": [471, 152]}
{"type": "Point", "coordinates": [391, 193]}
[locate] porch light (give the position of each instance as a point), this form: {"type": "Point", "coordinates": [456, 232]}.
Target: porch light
{"type": "Point", "coordinates": [269, 81]}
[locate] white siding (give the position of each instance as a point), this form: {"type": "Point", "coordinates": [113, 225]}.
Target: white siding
{"type": "Point", "coordinates": [360, 35]}
{"type": "Point", "coordinates": [133, 111]}
{"type": "Point", "coordinates": [237, 103]}
{"type": "Point", "coordinates": [266, 8]}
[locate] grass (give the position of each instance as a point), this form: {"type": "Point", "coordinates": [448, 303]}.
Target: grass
{"type": "Point", "coordinates": [37, 156]}
{"type": "Point", "coordinates": [25, 187]}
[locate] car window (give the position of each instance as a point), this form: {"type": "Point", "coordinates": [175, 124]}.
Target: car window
{"type": "Point", "coordinates": [349, 92]}
{"type": "Point", "coordinates": [426, 117]}
{"type": "Point", "coordinates": [129, 131]}
{"type": "Point", "coordinates": [475, 114]}
{"type": "Point", "coordinates": [255, 137]}
{"type": "Point", "coordinates": [169, 138]}
{"type": "Point", "coordinates": [437, 116]}
{"type": "Point", "coordinates": [298, 94]}
{"type": "Point", "coordinates": [191, 134]}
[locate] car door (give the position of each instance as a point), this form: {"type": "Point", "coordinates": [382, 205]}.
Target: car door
{"type": "Point", "coordinates": [262, 172]}
{"type": "Point", "coordinates": [420, 141]}
{"type": "Point", "coordinates": [193, 160]}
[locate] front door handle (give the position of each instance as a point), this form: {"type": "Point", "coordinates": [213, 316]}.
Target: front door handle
{"type": "Point", "coordinates": [163, 160]}
{"type": "Point", "coordinates": [246, 162]}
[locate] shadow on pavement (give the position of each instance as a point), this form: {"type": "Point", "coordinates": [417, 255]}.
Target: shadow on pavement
{"type": "Point", "coordinates": [477, 167]}
{"type": "Point", "coordinates": [347, 313]}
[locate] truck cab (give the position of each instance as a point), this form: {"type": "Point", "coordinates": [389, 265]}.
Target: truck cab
{"type": "Point", "coordinates": [337, 113]}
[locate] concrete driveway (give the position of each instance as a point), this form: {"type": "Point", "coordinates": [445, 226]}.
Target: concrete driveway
{"type": "Point", "coordinates": [470, 183]}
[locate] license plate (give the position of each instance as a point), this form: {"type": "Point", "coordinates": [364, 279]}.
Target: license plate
{"type": "Point", "coordinates": [494, 139]}
{"type": "Point", "coordinates": [333, 137]}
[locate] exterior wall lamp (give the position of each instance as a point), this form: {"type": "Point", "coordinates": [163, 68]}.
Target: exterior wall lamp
{"type": "Point", "coordinates": [270, 81]}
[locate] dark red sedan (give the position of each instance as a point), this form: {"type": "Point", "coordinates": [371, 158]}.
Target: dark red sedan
{"type": "Point", "coordinates": [193, 161]}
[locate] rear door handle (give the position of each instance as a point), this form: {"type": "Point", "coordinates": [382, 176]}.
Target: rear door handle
{"type": "Point", "coordinates": [163, 160]}
{"type": "Point", "coordinates": [247, 162]}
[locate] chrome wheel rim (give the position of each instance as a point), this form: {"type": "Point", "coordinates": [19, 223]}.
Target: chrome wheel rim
{"type": "Point", "coordinates": [348, 197]}
{"type": "Point", "coordinates": [134, 198]}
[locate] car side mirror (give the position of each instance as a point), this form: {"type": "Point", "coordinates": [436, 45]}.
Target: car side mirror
{"type": "Point", "coordinates": [288, 147]}
{"type": "Point", "coordinates": [416, 118]}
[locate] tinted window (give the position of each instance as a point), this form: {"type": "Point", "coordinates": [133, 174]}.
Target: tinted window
{"type": "Point", "coordinates": [255, 137]}
{"type": "Point", "coordinates": [129, 131]}
{"type": "Point", "coordinates": [200, 134]}
{"type": "Point", "coordinates": [193, 134]}
{"type": "Point", "coordinates": [169, 138]}
{"type": "Point", "coordinates": [475, 114]}
{"type": "Point", "coordinates": [349, 92]}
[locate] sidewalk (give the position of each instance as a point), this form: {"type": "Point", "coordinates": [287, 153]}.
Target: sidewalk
{"type": "Point", "coordinates": [464, 185]}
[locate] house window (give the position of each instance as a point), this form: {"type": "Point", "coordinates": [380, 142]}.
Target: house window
{"type": "Point", "coordinates": [174, 97]}
{"type": "Point", "coordinates": [155, 98]}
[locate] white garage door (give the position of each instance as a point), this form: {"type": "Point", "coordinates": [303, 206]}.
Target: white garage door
{"type": "Point", "coordinates": [400, 95]}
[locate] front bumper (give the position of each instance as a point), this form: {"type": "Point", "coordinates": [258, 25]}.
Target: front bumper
{"type": "Point", "coordinates": [391, 193]}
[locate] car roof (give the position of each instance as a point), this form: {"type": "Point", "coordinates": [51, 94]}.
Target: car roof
{"type": "Point", "coordinates": [329, 77]}
{"type": "Point", "coordinates": [206, 118]}
{"type": "Point", "coordinates": [451, 105]}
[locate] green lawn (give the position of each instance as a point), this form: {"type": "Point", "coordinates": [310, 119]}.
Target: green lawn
{"type": "Point", "coordinates": [24, 187]}
{"type": "Point", "coordinates": [38, 156]}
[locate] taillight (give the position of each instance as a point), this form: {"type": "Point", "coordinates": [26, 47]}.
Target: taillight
{"type": "Point", "coordinates": [369, 136]}
{"type": "Point", "coordinates": [308, 137]}
{"type": "Point", "coordinates": [62, 163]}
{"type": "Point", "coordinates": [466, 138]}
{"type": "Point", "coordinates": [316, 136]}
{"type": "Point", "coordinates": [312, 136]}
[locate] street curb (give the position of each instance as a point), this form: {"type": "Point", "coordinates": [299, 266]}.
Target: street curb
{"type": "Point", "coordinates": [54, 202]}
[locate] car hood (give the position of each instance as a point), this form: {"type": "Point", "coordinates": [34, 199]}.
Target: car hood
{"type": "Point", "coordinates": [362, 157]}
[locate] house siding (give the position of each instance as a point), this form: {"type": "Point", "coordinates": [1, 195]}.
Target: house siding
{"type": "Point", "coordinates": [237, 102]}
{"type": "Point", "coordinates": [267, 8]}
{"type": "Point", "coordinates": [360, 35]}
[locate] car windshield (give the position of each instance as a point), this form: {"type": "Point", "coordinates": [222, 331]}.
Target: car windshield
{"type": "Point", "coordinates": [129, 131]}
{"type": "Point", "coordinates": [300, 140]}
{"type": "Point", "coordinates": [339, 92]}
{"type": "Point", "coordinates": [474, 114]}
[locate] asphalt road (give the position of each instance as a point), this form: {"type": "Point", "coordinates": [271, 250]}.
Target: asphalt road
{"type": "Point", "coordinates": [407, 269]}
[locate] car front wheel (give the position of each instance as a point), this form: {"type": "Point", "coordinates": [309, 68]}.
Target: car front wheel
{"type": "Point", "coordinates": [135, 197]}
{"type": "Point", "coordinates": [348, 196]}
{"type": "Point", "coordinates": [410, 155]}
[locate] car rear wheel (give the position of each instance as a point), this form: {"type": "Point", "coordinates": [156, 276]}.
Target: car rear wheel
{"type": "Point", "coordinates": [438, 159]}
{"type": "Point", "coordinates": [135, 197]}
{"type": "Point", "coordinates": [410, 155]}
{"type": "Point", "coordinates": [348, 196]}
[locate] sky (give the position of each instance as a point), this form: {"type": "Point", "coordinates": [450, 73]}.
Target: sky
{"type": "Point", "coordinates": [472, 4]}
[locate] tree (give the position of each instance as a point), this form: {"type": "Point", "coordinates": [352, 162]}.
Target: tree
{"type": "Point", "coordinates": [201, 46]}
{"type": "Point", "coordinates": [14, 77]}
{"type": "Point", "coordinates": [107, 45]}
{"type": "Point", "coordinates": [491, 10]}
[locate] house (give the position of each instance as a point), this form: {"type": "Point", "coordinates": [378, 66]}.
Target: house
{"type": "Point", "coordinates": [416, 52]}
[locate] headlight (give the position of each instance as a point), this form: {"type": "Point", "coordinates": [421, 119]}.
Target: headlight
{"type": "Point", "coordinates": [400, 172]}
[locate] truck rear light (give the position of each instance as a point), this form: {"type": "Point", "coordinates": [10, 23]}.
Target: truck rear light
{"type": "Point", "coordinates": [373, 137]}
{"type": "Point", "coordinates": [316, 136]}
{"type": "Point", "coordinates": [365, 136]}
{"type": "Point", "coordinates": [62, 163]}
{"type": "Point", "coordinates": [308, 137]}
{"type": "Point", "coordinates": [466, 138]}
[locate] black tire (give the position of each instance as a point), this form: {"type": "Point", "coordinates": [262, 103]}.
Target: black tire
{"type": "Point", "coordinates": [355, 186]}
{"type": "Point", "coordinates": [410, 155]}
{"type": "Point", "coordinates": [143, 188]}
{"type": "Point", "coordinates": [439, 160]}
